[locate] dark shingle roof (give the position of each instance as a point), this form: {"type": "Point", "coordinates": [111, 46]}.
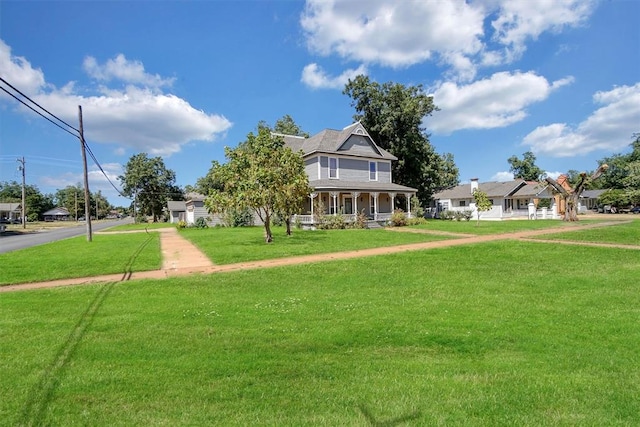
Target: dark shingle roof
{"type": "Point", "coordinates": [330, 140]}
{"type": "Point", "coordinates": [592, 194]}
{"type": "Point", "coordinates": [492, 189]}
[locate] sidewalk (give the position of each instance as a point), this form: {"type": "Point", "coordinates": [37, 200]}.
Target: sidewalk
{"type": "Point", "coordinates": [182, 258]}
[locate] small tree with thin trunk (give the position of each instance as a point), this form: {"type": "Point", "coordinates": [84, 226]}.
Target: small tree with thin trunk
{"type": "Point", "coordinates": [572, 196]}
{"type": "Point", "coordinates": [261, 174]}
{"type": "Point", "coordinates": [482, 202]}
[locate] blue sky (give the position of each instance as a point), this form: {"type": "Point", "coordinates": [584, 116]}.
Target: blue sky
{"type": "Point", "coordinates": [183, 79]}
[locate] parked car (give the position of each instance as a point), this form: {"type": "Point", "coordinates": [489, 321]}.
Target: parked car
{"type": "Point", "coordinates": [635, 210]}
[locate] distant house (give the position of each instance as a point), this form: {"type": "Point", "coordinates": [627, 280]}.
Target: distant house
{"type": "Point", "coordinates": [349, 173]}
{"type": "Point", "coordinates": [177, 210]}
{"type": "Point", "coordinates": [510, 199]}
{"type": "Point", "coordinates": [57, 214]}
{"type": "Point", "coordinates": [10, 211]}
{"type": "Point", "coordinates": [589, 200]}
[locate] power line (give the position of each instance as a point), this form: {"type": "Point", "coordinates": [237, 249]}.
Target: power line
{"type": "Point", "coordinates": [38, 105]}
{"type": "Point", "coordinates": [86, 146]}
{"type": "Point", "coordinates": [37, 112]}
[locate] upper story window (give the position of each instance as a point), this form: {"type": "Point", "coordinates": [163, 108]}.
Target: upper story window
{"type": "Point", "coordinates": [373, 171]}
{"type": "Point", "coordinates": [333, 167]}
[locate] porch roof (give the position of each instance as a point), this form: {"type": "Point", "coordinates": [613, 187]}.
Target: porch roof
{"type": "Point", "coordinates": [372, 186]}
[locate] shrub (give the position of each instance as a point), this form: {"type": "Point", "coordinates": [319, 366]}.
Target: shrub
{"type": "Point", "coordinates": [466, 214]}
{"type": "Point", "coordinates": [416, 208]}
{"type": "Point", "coordinates": [201, 223]}
{"type": "Point", "coordinates": [238, 218]}
{"type": "Point", "coordinates": [398, 218]}
{"type": "Point", "coordinates": [416, 221]}
{"type": "Point", "coordinates": [181, 224]}
{"type": "Point", "coordinates": [360, 220]}
{"type": "Point", "coordinates": [447, 215]}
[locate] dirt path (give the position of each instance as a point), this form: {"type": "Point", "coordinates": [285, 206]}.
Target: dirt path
{"type": "Point", "coordinates": [182, 258]}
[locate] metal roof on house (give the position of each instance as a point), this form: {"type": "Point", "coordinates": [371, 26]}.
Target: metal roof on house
{"type": "Point", "coordinates": [371, 186]}
{"type": "Point", "coordinates": [330, 140]}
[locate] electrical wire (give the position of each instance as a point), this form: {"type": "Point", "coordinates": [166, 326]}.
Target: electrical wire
{"type": "Point", "coordinates": [38, 105]}
{"type": "Point", "coordinates": [37, 112]}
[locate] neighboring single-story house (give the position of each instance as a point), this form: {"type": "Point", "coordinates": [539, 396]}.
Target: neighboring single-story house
{"type": "Point", "coordinates": [177, 210]}
{"type": "Point", "coordinates": [349, 173]}
{"type": "Point", "coordinates": [10, 211]}
{"type": "Point", "coordinates": [589, 200]}
{"type": "Point", "coordinates": [57, 214]}
{"type": "Point", "coordinates": [509, 199]}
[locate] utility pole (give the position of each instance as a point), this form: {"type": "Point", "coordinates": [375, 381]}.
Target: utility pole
{"type": "Point", "coordinates": [87, 201]}
{"type": "Point", "coordinates": [24, 199]}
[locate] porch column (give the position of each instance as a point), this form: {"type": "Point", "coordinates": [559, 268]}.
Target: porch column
{"type": "Point", "coordinates": [393, 201]}
{"type": "Point", "coordinates": [375, 205]}
{"type": "Point", "coordinates": [355, 196]}
{"type": "Point", "coordinates": [334, 196]}
{"type": "Point", "coordinates": [408, 197]}
{"type": "Point", "coordinates": [312, 196]}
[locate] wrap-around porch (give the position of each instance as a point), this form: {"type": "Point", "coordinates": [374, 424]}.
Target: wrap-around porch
{"type": "Point", "coordinates": [375, 205]}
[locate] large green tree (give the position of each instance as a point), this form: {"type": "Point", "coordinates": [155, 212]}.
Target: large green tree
{"type": "Point", "coordinates": [150, 183]}
{"type": "Point", "coordinates": [393, 115]}
{"type": "Point", "coordinates": [287, 126]}
{"type": "Point", "coordinates": [261, 174]}
{"type": "Point", "coordinates": [36, 202]}
{"type": "Point", "coordinates": [526, 168]}
{"type": "Point", "coordinates": [71, 198]}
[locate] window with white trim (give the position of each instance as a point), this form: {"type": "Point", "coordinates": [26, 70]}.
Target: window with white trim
{"type": "Point", "coordinates": [333, 167]}
{"type": "Point", "coordinates": [373, 171]}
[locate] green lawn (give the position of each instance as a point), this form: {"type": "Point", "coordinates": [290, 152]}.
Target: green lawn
{"type": "Point", "coordinates": [498, 227]}
{"type": "Point", "coordinates": [499, 334]}
{"type": "Point", "coordinates": [76, 257]}
{"type": "Point", "coordinates": [230, 245]}
{"type": "Point", "coordinates": [624, 233]}
{"type": "Point", "coordinates": [141, 226]}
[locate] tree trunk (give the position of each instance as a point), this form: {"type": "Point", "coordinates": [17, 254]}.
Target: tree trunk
{"type": "Point", "coordinates": [571, 207]}
{"type": "Point", "coordinates": [268, 237]}
{"type": "Point", "coordinates": [287, 221]}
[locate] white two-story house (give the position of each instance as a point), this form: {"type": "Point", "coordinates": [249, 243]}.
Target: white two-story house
{"type": "Point", "coordinates": [349, 173]}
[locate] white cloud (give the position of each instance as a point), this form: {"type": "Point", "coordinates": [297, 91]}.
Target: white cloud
{"type": "Point", "coordinates": [449, 32]}
{"type": "Point", "coordinates": [19, 72]}
{"type": "Point", "coordinates": [608, 128]}
{"type": "Point", "coordinates": [502, 177]}
{"type": "Point", "coordinates": [97, 180]}
{"type": "Point", "coordinates": [141, 117]}
{"type": "Point", "coordinates": [120, 68]}
{"type": "Point", "coordinates": [395, 34]}
{"type": "Point", "coordinates": [315, 77]}
{"type": "Point", "coordinates": [520, 21]}
{"type": "Point", "coordinates": [494, 102]}
{"type": "Point", "coordinates": [554, 174]}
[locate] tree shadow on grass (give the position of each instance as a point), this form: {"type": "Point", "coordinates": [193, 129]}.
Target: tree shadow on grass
{"type": "Point", "coordinates": [388, 423]}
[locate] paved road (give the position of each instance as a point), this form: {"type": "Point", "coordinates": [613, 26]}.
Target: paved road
{"type": "Point", "coordinates": [12, 242]}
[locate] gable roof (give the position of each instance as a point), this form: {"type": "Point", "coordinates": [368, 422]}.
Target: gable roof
{"type": "Point", "coordinates": [60, 211]}
{"type": "Point", "coordinates": [592, 194]}
{"type": "Point", "coordinates": [330, 141]}
{"type": "Point", "coordinates": [10, 207]}
{"type": "Point", "coordinates": [492, 189]}
{"type": "Point", "coordinates": [176, 206]}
